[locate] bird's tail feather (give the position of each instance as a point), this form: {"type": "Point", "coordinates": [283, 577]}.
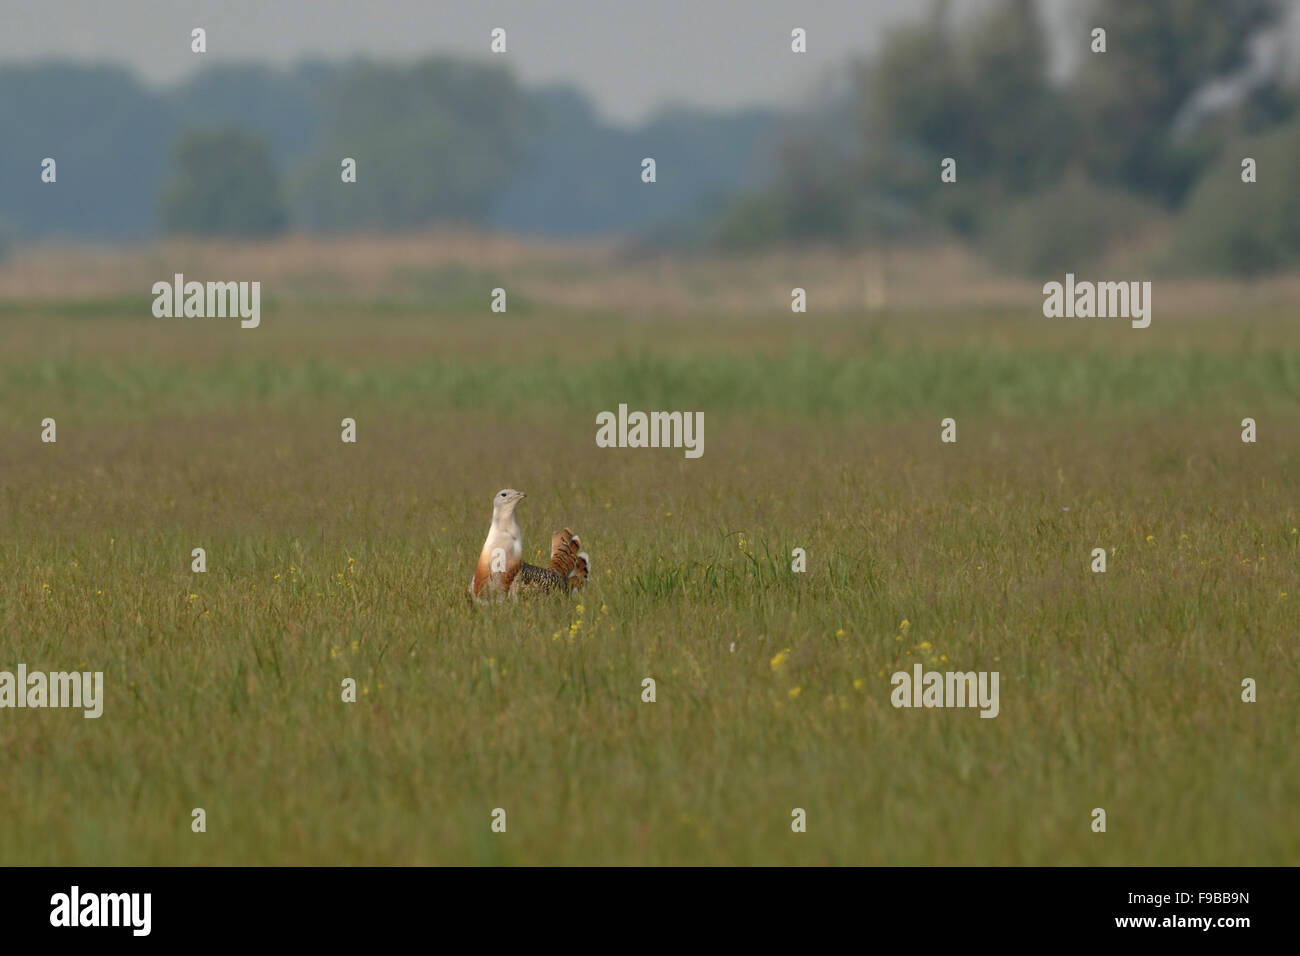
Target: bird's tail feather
{"type": "Point", "coordinates": [566, 560]}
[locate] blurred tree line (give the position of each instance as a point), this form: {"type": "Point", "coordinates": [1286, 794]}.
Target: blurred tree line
{"type": "Point", "coordinates": [246, 150]}
{"type": "Point", "coordinates": [1051, 173]}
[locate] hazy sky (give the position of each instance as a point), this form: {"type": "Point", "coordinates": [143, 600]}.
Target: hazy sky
{"type": "Point", "coordinates": [629, 56]}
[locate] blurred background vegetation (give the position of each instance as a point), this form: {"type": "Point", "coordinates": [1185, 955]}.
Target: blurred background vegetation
{"type": "Point", "coordinates": [1135, 152]}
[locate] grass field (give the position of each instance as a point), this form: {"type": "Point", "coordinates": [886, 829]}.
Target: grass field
{"type": "Point", "coordinates": [326, 561]}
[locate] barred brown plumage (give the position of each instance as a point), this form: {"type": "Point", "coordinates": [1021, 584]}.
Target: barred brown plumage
{"type": "Point", "coordinates": [501, 569]}
{"type": "Point", "coordinates": [531, 576]}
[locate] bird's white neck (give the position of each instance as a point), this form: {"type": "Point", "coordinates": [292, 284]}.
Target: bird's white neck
{"type": "Point", "coordinates": [504, 535]}
{"type": "Point", "coordinates": [505, 524]}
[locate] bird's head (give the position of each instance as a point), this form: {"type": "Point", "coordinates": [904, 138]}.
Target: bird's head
{"type": "Point", "coordinates": [503, 503]}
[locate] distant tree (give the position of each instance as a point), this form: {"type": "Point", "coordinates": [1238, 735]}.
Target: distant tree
{"type": "Point", "coordinates": [1030, 237]}
{"type": "Point", "coordinates": [815, 190]}
{"type": "Point", "coordinates": [223, 184]}
{"type": "Point", "coordinates": [278, 105]}
{"type": "Point", "coordinates": [109, 135]}
{"type": "Point", "coordinates": [1017, 124]}
{"type": "Point", "coordinates": [1159, 53]}
{"type": "Point", "coordinates": [1136, 124]}
{"type": "Point", "coordinates": [435, 140]}
{"type": "Point", "coordinates": [977, 92]}
{"type": "Point", "coordinates": [1228, 226]}
{"type": "Point", "coordinates": [982, 98]}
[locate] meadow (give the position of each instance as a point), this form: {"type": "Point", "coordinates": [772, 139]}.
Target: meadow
{"type": "Point", "coordinates": [327, 560]}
